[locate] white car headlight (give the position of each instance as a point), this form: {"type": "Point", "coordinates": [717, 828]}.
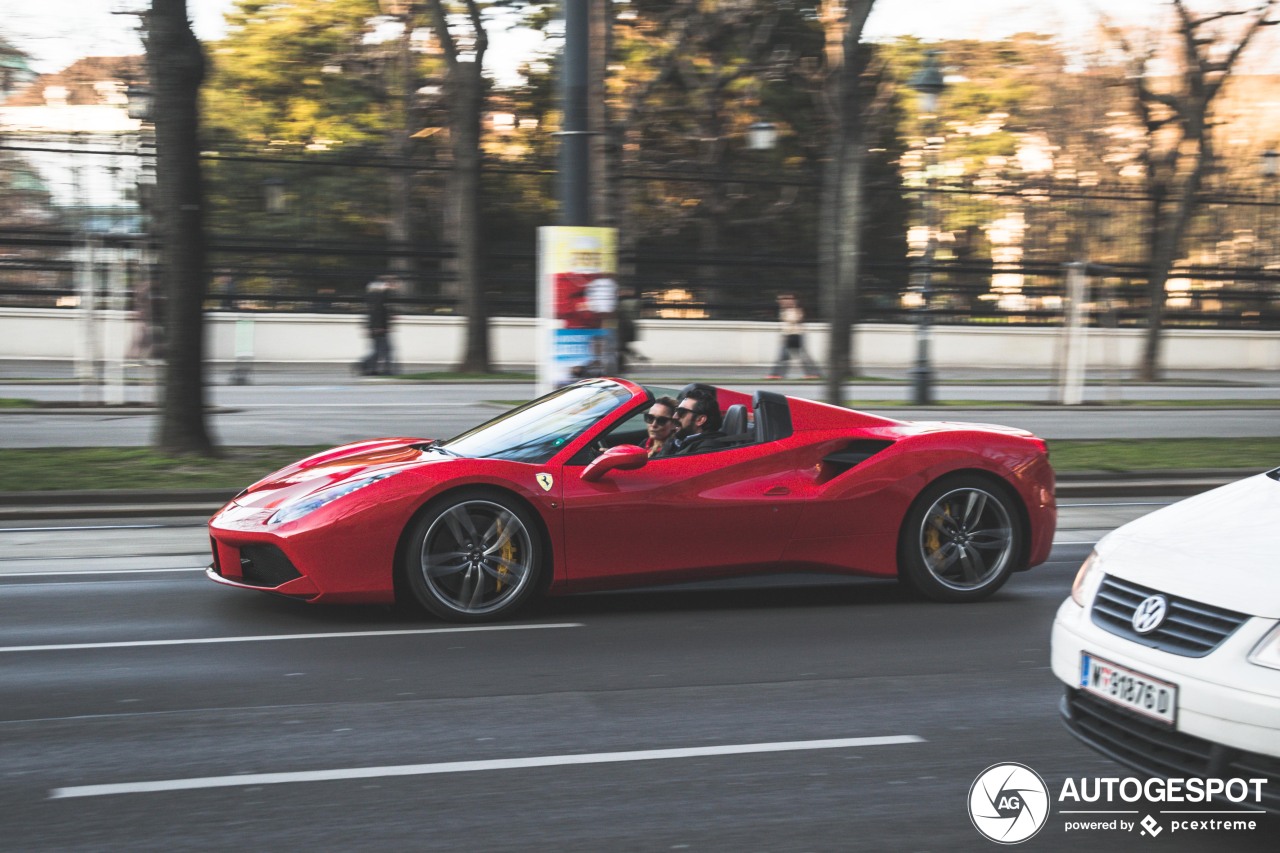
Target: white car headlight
{"type": "Point", "coordinates": [1267, 653]}
{"type": "Point", "coordinates": [296, 509]}
{"type": "Point", "coordinates": [1087, 579]}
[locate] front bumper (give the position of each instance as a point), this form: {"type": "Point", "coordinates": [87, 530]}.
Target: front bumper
{"type": "Point", "coordinates": [1156, 750]}
{"type": "Point", "coordinates": [1228, 710]}
{"type": "Point", "coordinates": [347, 561]}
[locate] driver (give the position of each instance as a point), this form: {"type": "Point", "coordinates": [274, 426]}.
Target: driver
{"type": "Point", "coordinates": [661, 424]}
{"type": "Point", "coordinates": [698, 414]}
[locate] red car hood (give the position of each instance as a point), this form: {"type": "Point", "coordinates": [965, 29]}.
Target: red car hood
{"type": "Point", "coordinates": [334, 466]}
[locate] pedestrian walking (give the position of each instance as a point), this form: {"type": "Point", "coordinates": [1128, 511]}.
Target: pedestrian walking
{"type": "Point", "coordinates": [791, 316]}
{"type": "Point", "coordinates": [378, 320]}
{"type": "Point", "coordinates": [629, 306]}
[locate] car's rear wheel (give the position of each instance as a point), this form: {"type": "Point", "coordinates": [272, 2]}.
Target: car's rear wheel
{"type": "Point", "coordinates": [961, 539]}
{"type": "Point", "coordinates": [474, 557]}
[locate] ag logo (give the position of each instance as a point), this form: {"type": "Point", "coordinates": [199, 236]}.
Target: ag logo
{"type": "Point", "coordinates": [1008, 803]}
{"type": "Point", "coordinates": [544, 480]}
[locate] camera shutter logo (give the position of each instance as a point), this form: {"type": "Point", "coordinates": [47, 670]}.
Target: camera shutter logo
{"type": "Point", "coordinates": [1008, 803]}
{"type": "Point", "coordinates": [1149, 614]}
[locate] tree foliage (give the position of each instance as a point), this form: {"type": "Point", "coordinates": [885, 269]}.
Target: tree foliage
{"type": "Point", "coordinates": [326, 99]}
{"type": "Point", "coordinates": [298, 75]}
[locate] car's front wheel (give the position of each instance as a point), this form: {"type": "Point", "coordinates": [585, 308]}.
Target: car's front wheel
{"type": "Point", "coordinates": [474, 557]}
{"type": "Point", "coordinates": [961, 539]}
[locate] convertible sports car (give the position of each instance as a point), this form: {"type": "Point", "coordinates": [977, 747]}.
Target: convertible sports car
{"type": "Point", "coordinates": [557, 497]}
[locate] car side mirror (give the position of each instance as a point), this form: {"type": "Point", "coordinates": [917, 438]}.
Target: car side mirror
{"type": "Point", "coordinates": [626, 457]}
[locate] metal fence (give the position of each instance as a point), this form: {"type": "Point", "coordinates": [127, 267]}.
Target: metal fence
{"type": "Point", "coordinates": [1001, 248]}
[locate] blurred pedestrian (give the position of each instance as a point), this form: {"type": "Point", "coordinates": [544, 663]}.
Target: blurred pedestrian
{"type": "Point", "coordinates": [791, 316]}
{"type": "Point", "coordinates": [378, 321]}
{"type": "Point", "coordinates": [628, 313]}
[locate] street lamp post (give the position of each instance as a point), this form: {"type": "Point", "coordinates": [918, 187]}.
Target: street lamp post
{"type": "Point", "coordinates": [140, 105]}
{"type": "Point", "coordinates": [1269, 169]}
{"type": "Point", "coordinates": [929, 83]}
{"type": "Point", "coordinates": [575, 150]}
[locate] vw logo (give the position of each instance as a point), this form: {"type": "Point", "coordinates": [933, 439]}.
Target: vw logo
{"type": "Point", "coordinates": [1150, 614]}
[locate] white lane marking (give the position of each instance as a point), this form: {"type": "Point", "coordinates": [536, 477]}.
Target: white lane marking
{"type": "Point", "coordinates": [470, 766]}
{"type": "Point", "coordinates": [272, 637]}
{"type": "Point", "coordinates": [1114, 504]}
{"type": "Point", "coordinates": [92, 527]}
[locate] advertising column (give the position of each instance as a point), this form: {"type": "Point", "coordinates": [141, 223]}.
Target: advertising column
{"type": "Point", "coordinates": [577, 304]}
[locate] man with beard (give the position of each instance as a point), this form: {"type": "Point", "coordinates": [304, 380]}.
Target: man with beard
{"type": "Point", "coordinates": [698, 415]}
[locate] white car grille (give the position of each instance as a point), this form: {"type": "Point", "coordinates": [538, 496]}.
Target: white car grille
{"type": "Point", "coordinates": [1190, 629]}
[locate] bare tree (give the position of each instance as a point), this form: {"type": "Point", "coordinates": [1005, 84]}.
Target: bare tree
{"type": "Point", "coordinates": [1175, 111]}
{"type": "Point", "coordinates": [464, 93]}
{"type": "Point", "coordinates": [176, 67]}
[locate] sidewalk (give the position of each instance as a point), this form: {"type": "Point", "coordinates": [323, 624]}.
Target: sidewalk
{"type": "Point", "coordinates": [19, 371]}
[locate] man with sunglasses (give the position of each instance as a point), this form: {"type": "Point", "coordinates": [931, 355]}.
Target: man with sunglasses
{"type": "Point", "coordinates": [698, 416]}
{"type": "Point", "coordinates": [661, 424]}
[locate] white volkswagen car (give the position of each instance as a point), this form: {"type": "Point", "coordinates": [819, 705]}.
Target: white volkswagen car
{"type": "Point", "coordinates": [1170, 642]}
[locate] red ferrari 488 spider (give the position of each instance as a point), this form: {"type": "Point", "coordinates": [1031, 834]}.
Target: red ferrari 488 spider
{"type": "Point", "coordinates": [557, 497]}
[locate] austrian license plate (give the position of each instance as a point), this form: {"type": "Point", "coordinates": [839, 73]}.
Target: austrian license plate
{"type": "Point", "coordinates": [1128, 688]}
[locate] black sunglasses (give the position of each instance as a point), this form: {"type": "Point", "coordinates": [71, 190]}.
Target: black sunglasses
{"type": "Point", "coordinates": [680, 413]}
{"type": "Point", "coordinates": [660, 420]}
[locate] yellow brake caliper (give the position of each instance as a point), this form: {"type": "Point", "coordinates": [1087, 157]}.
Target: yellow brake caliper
{"type": "Point", "coordinates": [932, 542]}
{"type": "Point", "coordinates": [507, 553]}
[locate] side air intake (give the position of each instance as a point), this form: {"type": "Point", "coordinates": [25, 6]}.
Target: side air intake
{"type": "Point", "coordinates": [851, 455]}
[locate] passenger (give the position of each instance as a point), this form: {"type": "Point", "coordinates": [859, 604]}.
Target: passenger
{"type": "Point", "coordinates": [662, 425]}
{"type": "Point", "coordinates": [698, 414]}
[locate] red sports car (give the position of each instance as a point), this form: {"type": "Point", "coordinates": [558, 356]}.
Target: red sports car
{"type": "Point", "coordinates": [557, 497]}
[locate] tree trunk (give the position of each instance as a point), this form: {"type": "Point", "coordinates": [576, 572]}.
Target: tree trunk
{"type": "Point", "coordinates": [400, 179]}
{"type": "Point", "coordinates": [464, 93]}
{"type": "Point", "coordinates": [843, 183]}
{"type": "Point", "coordinates": [175, 65]}
{"type": "Point", "coordinates": [466, 105]}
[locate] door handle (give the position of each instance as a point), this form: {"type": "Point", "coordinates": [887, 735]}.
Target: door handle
{"type": "Point", "coordinates": [777, 491]}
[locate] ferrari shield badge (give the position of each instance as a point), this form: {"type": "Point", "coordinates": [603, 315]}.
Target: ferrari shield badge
{"type": "Point", "coordinates": [544, 480]}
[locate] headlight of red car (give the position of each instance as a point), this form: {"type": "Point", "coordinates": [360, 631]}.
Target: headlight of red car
{"type": "Point", "coordinates": [293, 510]}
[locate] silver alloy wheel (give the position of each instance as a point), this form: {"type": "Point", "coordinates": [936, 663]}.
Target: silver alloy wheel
{"type": "Point", "coordinates": [966, 538]}
{"type": "Point", "coordinates": [477, 557]}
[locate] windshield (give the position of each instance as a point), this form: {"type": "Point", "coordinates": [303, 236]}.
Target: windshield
{"type": "Point", "coordinates": [537, 430]}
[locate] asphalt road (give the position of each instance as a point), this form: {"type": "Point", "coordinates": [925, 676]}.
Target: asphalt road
{"type": "Point", "coordinates": [336, 412]}
{"type": "Point", "coordinates": [695, 719]}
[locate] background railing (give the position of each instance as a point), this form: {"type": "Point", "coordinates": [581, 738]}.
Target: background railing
{"type": "Point", "coordinates": [1001, 245]}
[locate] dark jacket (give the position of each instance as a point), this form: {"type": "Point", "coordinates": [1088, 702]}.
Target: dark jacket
{"type": "Point", "coordinates": [696, 443]}
{"type": "Point", "coordinates": [379, 313]}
